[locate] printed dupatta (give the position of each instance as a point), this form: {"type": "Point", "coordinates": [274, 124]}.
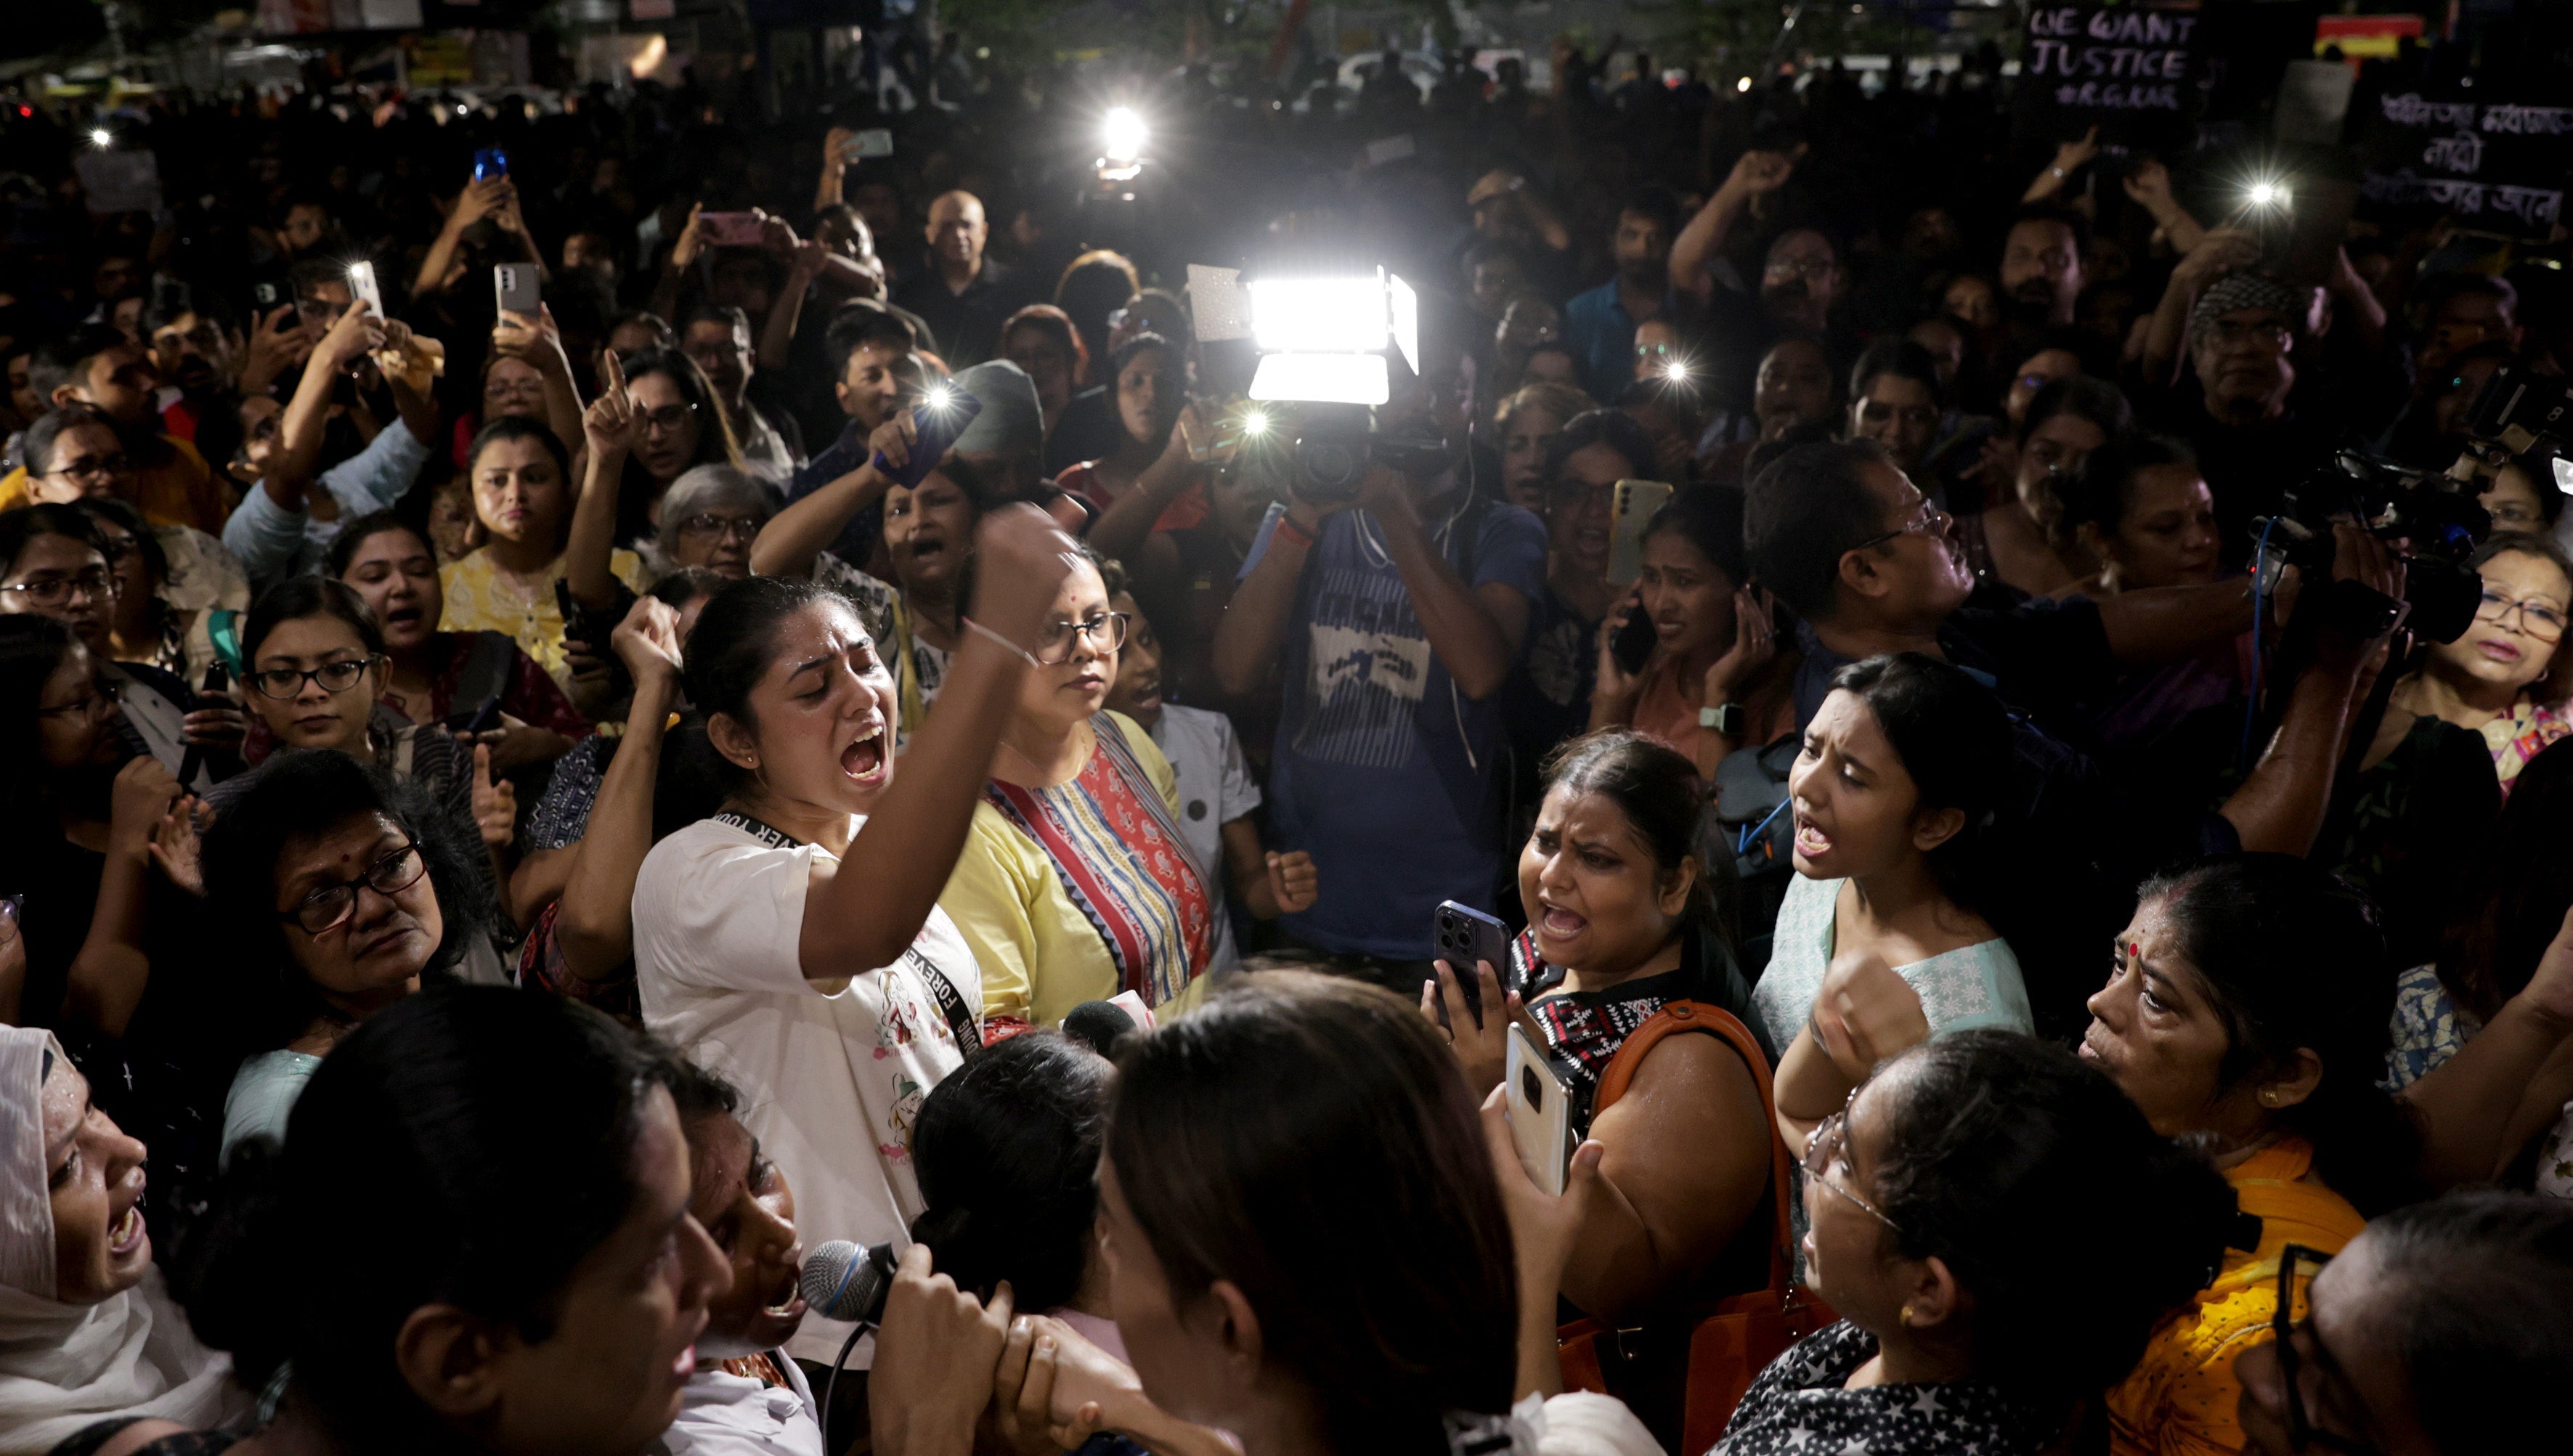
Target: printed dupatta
{"type": "Point", "coordinates": [1123, 861]}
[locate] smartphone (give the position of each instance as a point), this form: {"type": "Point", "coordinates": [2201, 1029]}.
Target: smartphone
{"type": "Point", "coordinates": [1540, 1111]}
{"type": "Point", "coordinates": [362, 286]}
{"type": "Point", "coordinates": [491, 162]}
{"type": "Point", "coordinates": [515, 285]}
{"type": "Point", "coordinates": [216, 684]}
{"type": "Point", "coordinates": [1633, 645]}
{"type": "Point", "coordinates": [871, 143]}
{"type": "Point", "coordinates": [1466, 936]}
{"type": "Point", "coordinates": [731, 230]}
{"type": "Point", "coordinates": [2304, 249]}
{"type": "Point", "coordinates": [1635, 503]}
{"type": "Point", "coordinates": [475, 720]}
{"type": "Point", "coordinates": [941, 417]}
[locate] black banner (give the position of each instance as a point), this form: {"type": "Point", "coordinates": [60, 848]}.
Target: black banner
{"type": "Point", "coordinates": [2496, 166]}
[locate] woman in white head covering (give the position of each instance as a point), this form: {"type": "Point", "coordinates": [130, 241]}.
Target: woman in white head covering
{"type": "Point", "coordinates": [88, 1330]}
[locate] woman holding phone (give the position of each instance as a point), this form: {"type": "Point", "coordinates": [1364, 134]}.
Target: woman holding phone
{"type": "Point", "coordinates": [1621, 937]}
{"type": "Point", "coordinates": [1713, 678]}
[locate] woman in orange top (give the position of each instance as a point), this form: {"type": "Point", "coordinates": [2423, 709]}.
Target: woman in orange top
{"type": "Point", "coordinates": [2249, 1006]}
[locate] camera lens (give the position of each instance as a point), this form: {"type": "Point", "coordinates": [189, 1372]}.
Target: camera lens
{"type": "Point", "coordinates": [1531, 1088]}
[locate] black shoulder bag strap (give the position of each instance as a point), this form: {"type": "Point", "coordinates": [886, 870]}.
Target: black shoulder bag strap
{"type": "Point", "coordinates": [951, 1001]}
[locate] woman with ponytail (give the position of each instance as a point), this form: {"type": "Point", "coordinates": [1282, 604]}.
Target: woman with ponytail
{"type": "Point", "coordinates": [2249, 1009]}
{"type": "Point", "coordinates": [1883, 939]}
{"type": "Point", "coordinates": [1624, 980]}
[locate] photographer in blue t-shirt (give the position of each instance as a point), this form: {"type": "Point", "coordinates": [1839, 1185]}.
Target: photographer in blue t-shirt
{"type": "Point", "coordinates": [1395, 617]}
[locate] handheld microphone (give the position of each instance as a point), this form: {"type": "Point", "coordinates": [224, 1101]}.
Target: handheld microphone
{"type": "Point", "coordinates": [848, 1282]}
{"type": "Point", "coordinates": [844, 1281]}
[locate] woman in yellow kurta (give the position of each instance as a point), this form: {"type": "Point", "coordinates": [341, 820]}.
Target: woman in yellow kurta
{"type": "Point", "coordinates": [522, 503]}
{"type": "Point", "coordinates": [1076, 883]}
{"type": "Point", "coordinates": [2249, 1006]}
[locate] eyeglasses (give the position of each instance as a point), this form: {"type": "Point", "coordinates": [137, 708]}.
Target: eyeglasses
{"type": "Point", "coordinates": [668, 418]}
{"type": "Point", "coordinates": [2282, 1328]}
{"type": "Point", "coordinates": [286, 683]}
{"type": "Point", "coordinates": [331, 905]}
{"type": "Point", "coordinates": [1800, 268]}
{"type": "Point", "coordinates": [1929, 521]}
{"type": "Point", "coordinates": [1654, 351]}
{"type": "Point", "coordinates": [92, 704]}
{"type": "Point", "coordinates": [708, 525]}
{"type": "Point", "coordinates": [54, 592]}
{"type": "Point", "coordinates": [2538, 617]}
{"type": "Point", "coordinates": [105, 467]}
{"type": "Point", "coordinates": [1055, 643]}
{"type": "Point", "coordinates": [1825, 1145]}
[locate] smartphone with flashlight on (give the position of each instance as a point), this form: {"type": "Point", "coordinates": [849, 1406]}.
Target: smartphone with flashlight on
{"type": "Point", "coordinates": [362, 286]}
{"type": "Point", "coordinates": [2303, 246]}
{"type": "Point", "coordinates": [1236, 425]}
{"type": "Point", "coordinates": [940, 417]}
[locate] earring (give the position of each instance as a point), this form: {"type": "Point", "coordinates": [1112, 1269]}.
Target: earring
{"type": "Point", "coordinates": [1907, 1316]}
{"type": "Point", "coordinates": [2268, 1099]}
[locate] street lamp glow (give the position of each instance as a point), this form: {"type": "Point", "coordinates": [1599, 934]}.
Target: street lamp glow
{"type": "Point", "coordinates": [1124, 134]}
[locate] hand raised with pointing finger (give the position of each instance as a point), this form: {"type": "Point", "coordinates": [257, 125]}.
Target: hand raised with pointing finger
{"type": "Point", "coordinates": [610, 424]}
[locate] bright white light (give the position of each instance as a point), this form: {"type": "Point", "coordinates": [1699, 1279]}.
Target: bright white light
{"type": "Point", "coordinates": [1327, 379]}
{"type": "Point", "coordinates": [1124, 134]}
{"type": "Point", "coordinates": [1675, 370]}
{"type": "Point", "coordinates": [2267, 193]}
{"type": "Point", "coordinates": [102, 138]}
{"type": "Point", "coordinates": [941, 397]}
{"type": "Point", "coordinates": [1319, 315]}
{"type": "Point", "coordinates": [1406, 321]}
{"type": "Point", "coordinates": [1742, 85]}
{"type": "Point", "coordinates": [1255, 424]}
{"type": "Point", "coordinates": [2564, 474]}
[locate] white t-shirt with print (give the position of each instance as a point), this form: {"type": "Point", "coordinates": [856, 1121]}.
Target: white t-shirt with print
{"type": "Point", "coordinates": [831, 1082]}
{"type": "Point", "coordinates": [1215, 788]}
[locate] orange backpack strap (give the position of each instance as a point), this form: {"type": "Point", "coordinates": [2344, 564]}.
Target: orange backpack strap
{"type": "Point", "coordinates": [1681, 1018]}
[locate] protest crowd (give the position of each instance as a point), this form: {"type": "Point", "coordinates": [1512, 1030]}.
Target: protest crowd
{"type": "Point", "coordinates": [1126, 760]}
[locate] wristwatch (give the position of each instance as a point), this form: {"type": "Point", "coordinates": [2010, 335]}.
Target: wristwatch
{"type": "Point", "coordinates": [1727, 720]}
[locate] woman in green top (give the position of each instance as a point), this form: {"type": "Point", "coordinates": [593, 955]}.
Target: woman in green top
{"type": "Point", "coordinates": [337, 893]}
{"type": "Point", "coordinates": [1882, 942]}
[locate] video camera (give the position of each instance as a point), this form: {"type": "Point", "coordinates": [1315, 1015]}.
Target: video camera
{"type": "Point", "coordinates": [2434, 516]}
{"type": "Point", "coordinates": [1324, 344]}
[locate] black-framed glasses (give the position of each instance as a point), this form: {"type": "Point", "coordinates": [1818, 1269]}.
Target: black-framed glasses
{"type": "Point", "coordinates": [99, 699]}
{"type": "Point", "coordinates": [2302, 1431]}
{"type": "Point", "coordinates": [331, 906]}
{"type": "Point", "coordinates": [708, 525]}
{"type": "Point", "coordinates": [1825, 1146]}
{"type": "Point", "coordinates": [666, 419]}
{"type": "Point", "coordinates": [1929, 521]}
{"type": "Point", "coordinates": [105, 467]}
{"type": "Point", "coordinates": [1055, 644]}
{"type": "Point", "coordinates": [54, 592]}
{"type": "Point", "coordinates": [2539, 618]}
{"type": "Point", "coordinates": [283, 683]}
